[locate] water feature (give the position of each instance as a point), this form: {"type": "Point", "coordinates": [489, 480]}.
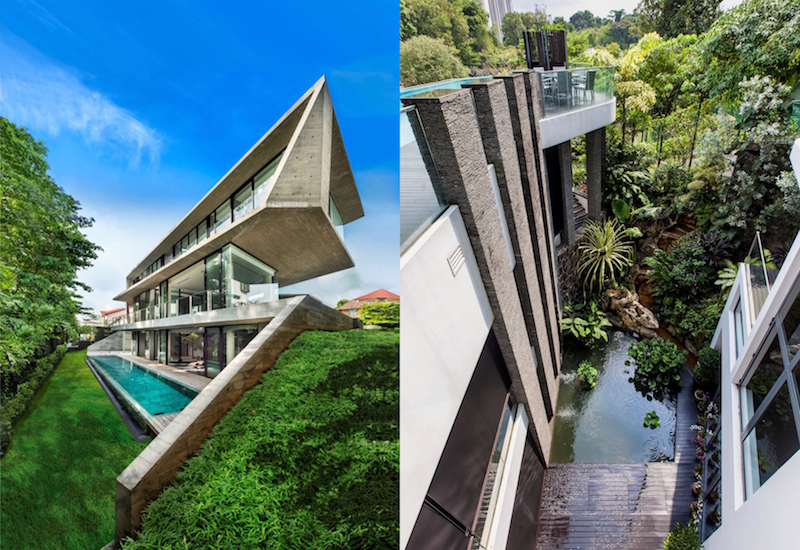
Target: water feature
{"type": "Point", "coordinates": [155, 395]}
{"type": "Point", "coordinates": [605, 424]}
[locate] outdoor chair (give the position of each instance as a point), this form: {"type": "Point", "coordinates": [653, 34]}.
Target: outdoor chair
{"type": "Point", "coordinates": [587, 86]}
{"type": "Point", "coordinates": [564, 88]}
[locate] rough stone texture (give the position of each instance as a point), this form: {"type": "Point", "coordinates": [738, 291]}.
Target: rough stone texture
{"type": "Point", "coordinates": [454, 135]}
{"type": "Point", "coordinates": [570, 288]}
{"type": "Point", "coordinates": [595, 161]}
{"type": "Point", "coordinates": [491, 103]}
{"type": "Point", "coordinates": [144, 479]}
{"type": "Point", "coordinates": [527, 153]}
{"type": "Point", "coordinates": [115, 342]}
{"type": "Point", "coordinates": [568, 236]}
{"type": "Point", "coordinates": [630, 312]}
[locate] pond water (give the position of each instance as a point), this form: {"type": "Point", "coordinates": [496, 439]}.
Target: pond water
{"type": "Point", "coordinates": [604, 424]}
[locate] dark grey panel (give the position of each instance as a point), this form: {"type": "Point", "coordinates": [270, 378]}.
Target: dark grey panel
{"type": "Point", "coordinates": [525, 517]}
{"type": "Point", "coordinates": [433, 532]}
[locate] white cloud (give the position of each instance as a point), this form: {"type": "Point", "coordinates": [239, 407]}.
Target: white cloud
{"type": "Point", "coordinates": [44, 97]}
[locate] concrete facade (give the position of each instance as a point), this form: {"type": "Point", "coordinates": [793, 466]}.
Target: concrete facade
{"type": "Point", "coordinates": [595, 171]}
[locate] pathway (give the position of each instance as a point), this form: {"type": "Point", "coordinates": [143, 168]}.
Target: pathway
{"type": "Point", "coordinates": [621, 506]}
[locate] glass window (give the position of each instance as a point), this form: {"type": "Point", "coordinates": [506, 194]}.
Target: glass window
{"type": "Point", "coordinates": [771, 442]}
{"type": "Point", "coordinates": [213, 280]}
{"type": "Point", "coordinates": [791, 322]}
{"type": "Point", "coordinates": [223, 215]}
{"type": "Point", "coordinates": [176, 250]}
{"type": "Point", "coordinates": [164, 299]}
{"type": "Point", "coordinates": [247, 280]}
{"type": "Point", "coordinates": [264, 179]}
{"type": "Point", "coordinates": [738, 325]}
{"type": "Point", "coordinates": [243, 201]}
{"type": "Point", "coordinates": [212, 226]}
{"type": "Point", "coordinates": [201, 231]}
{"type": "Point", "coordinates": [192, 237]}
{"type": "Point", "coordinates": [236, 338]}
{"type": "Point", "coordinates": [184, 244]}
{"type": "Point", "coordinates": [174, 346]}
{"type": "Point", "coordinates": [213, 358]}
{"type": "Point", "coordinates": [333, 211]}
{"type": "Point", "coordinates": [762, 380]}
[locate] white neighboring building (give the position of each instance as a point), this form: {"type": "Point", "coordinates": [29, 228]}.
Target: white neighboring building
{"type": "Point", "coordinates": [497, 10]}
{"type": "Point", "coordinates": [760, 417]}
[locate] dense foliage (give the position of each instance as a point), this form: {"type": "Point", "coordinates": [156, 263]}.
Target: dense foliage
{"type": "Point", "coordinates": [671, 18]}
{"type": "Point", "coordinates": [424, 59]}
{"type": "Point", "coordinates": [683, 537]}
{"type": "Point", "coordinates": [41, 250]}
{"type": "Point", "coordinates": [682, 273]}
{"type": "Point", "coordinates": [381, 314]}
{"type": "Point", "coordinates": [309, 458]}
{"type": "Point", "coordinates": [18, 403]}
{"type": "Point", "coordinates": [57, 478]}
{"type": "Point", "coordinates": [586, 324]}
{"type": "Point", "coordinates": [658, 367]}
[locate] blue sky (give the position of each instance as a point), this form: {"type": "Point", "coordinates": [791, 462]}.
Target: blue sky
{"type": "Point", "coordinates": [144, 106]}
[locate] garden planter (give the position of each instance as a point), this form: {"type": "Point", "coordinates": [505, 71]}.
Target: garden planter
{"type": "Point", "coordinates": [697, 487]}
{"type": "Point", "coordinates": [700, 454]}
{"type": "Point", "coordinates": [700, 395]}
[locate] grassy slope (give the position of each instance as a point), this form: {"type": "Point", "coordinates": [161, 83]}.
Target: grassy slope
{"type": "Point", "coordinates": [309, 458]}
{"type": "Point", "coordinates": [57, 479]}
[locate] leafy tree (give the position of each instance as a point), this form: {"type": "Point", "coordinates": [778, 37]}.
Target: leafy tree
{"type": "Point", "coordinates": [424, 59]}
{"type": "Point", "coordinates": [616, 15]}
{"type": "Point", "coordinates": [342, 302]}
{"type": "Point", "coordinates": [514, 24]}
{"type": "Point", "coordinates": [41, 250]}
{"type": "Point", "coordinates": [585, 19]}
{"type": "Point", "coordinates": [622, 32]}
{"type": "Point", "coordinates": [407, 28]}
{"type": "Point", "coordinates": [757, 37]}
{"type": "Point", "coordinates": [671, 18]}
{"type": "Point", "coordinates": [381, 314]}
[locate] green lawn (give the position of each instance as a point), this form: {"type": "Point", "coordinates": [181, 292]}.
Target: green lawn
{"type": "Point", "coordinates": [309, 458]}
{"type": "Point", "coordinates": [57, 480]}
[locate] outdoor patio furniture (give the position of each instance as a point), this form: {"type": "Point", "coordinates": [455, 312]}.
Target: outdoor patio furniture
{"type": "Point", "coordinates": [564, 88]}
{"type": "Point", "coordinates": [587, 86]}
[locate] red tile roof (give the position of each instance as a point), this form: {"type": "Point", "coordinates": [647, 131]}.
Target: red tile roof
{"type": "Point", "coordinates": [110, 311]}
{"type": "Point", "coordinates": [380, 294]}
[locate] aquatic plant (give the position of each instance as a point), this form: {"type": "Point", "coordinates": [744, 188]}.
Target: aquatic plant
{"type": "Point", "coordinates": [658, 367]}
{"type": "Point", "coordinates": [587, 374]}
{"type": "Point", "coordinates": [588, 326]}
{"type": "Point", "coordinates": [651, 420]}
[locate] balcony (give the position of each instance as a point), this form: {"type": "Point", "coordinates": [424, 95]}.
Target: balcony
{"type": "Point", "coordinates": [759, 275]}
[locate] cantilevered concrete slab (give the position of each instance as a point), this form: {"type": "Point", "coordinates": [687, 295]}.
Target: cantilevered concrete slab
{"type": "Point", "coordinates": [291, 229]}
{"type": "Point", "coordinates": [560, 128]}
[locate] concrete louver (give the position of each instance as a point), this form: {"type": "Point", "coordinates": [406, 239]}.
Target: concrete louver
{"type": "Point", "coordinates": [291, 229]}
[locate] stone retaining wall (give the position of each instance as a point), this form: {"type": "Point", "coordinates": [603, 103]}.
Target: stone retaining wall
{"type": "Point", "coordinates": [569, 288]}
{"type": "Point", "coordinates": [156, 467]}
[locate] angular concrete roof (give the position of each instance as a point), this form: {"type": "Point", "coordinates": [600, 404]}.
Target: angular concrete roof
{"type": "Point", "coordinates": [291, 229]}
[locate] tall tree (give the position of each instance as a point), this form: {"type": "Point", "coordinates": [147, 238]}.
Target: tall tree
{"type": "Point", "coordinates": [585, 20]}
{"type": "Point", "coordinates": [42, 248]}
{"type": "Point", "coordinates": [616, 15]}
{"type": "Point", "coordinates": [514, 24]}
{"type": "Point", "coordinates": [671, 18]}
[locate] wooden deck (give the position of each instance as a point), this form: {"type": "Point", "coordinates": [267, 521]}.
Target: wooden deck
{"type": "Point", "coordinates": [621, 506]}
{"type": "Point", "coordinates": [160, 422]}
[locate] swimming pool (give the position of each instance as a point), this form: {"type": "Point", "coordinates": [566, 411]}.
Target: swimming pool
{"type": "Point", "coordinates": [453, 84]}
{"type": "Point", "coordinates": [142, 392]}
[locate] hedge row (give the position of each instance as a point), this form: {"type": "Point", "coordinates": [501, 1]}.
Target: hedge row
{"type": "Point", "coordinates": [14, 407]}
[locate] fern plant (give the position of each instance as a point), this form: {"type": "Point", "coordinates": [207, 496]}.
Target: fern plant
{"type": "Point", "coordinates": [604, 252]}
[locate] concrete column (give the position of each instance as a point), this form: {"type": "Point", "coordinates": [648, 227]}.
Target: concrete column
{"type": "Point", "coordinates": [496, 128]}
{"type": "Point", "coordinates": [565, 164]}
{"type": "Point", "coordinates": [595, 158]}
{"type": "Point", "coordinates": [537, 220]}
{"type": "Point", "coordinates": [453, 131]}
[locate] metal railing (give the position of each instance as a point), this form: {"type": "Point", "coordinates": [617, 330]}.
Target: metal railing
{"type": "Point", "coordinates": [566, 90]}
{"type": "Point", "coordinates": [759, 274]}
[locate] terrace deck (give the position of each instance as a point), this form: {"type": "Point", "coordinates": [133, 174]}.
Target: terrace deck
{"type": "Point", "coordinates": [160, 422]}
{"type": "Point", "coordinates": [621, 505]}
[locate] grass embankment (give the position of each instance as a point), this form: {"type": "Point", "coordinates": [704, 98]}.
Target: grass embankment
{"type": "Point", "coordinates": [309, 458]}
{"type": "Point", "coordinates": [57, 480]}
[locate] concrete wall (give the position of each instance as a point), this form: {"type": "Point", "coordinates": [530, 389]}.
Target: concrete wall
{"type": "Point", "coordinates": [436, 361]}
{"type": "Point", "coordinates": [144, 479]}
{"type": "Point", "coordinates": [115, 342]}
{"type": "Point", "coordinates": [560, 128]}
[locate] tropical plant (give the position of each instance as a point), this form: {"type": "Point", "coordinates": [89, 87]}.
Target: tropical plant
{"type": "Point", "coordinates": [658, 367]}
{"type": "Point", "coordinates": [603, 253]}
{"type": "Point", "coordinates": [708, 364]}
{"type": "Point", "coordinates": [586, 325]}
{"type": "Point", "coordinates": [424, 59]}
{"type": "Point", "coordinates": [726, 277]}
{"type": "Point", "coordinates": [651, 420]}
{"type": "Point", "coordinates": [587, 374]}
{"type": "Point", "coordinates": [683, 271]}
{"type": "Point", "coordinates": [634, 233]}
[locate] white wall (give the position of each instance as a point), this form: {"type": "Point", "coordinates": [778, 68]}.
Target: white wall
{"type": "Point", "coordinates": [446, 319]}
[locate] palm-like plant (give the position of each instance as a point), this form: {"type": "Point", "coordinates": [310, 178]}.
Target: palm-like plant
{"type": "Point", "coordinates": [604, 251]}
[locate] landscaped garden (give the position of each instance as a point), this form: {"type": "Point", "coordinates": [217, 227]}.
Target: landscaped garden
{"type": "Point", "coordinates": [309, 458]}
{"type": "Point", "coordinates": [58, 477]}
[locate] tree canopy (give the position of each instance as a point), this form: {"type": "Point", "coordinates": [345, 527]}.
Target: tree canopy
{"type": "Point", "coordinates": [41, 248]}
{"type": "Point", "coordinates": [425, 59]}
{"type": "Point", "coordinates": [585, 20]}
{"type": "Point", "coordinates": [670, 18]}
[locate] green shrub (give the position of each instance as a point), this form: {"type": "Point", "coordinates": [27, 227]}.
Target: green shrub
{"type": "Point", "coordinates": [381, 314]}
{"type": "Point", "coordinates": [683, 537]}
{"type": "Point", "coordinates": [586, 325]}
{"type": "Point", "coordinates": [16, 405]}
{"type": "Point", "coordinates": [604, 252]}
{"type": "Point", "coordinates": [587, 374]}
{"type": "Point", "coordinates": [658, 367]}
{"type": "Point", "coordinates": [708, 365]}
{"type": "Point", "coordinates": [682, 272]}
{"type": "Point", "coordinates": [424, 59]}
{"type": "Point", "coordinates": [696, 322]}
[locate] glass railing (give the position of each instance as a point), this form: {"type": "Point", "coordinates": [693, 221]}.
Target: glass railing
{"type": "Point", "coordinates": [761, 273]}
{"type": "Point", "coordinates": [422, 197]}
{"type": "Point", "coordinates": [565, 90]}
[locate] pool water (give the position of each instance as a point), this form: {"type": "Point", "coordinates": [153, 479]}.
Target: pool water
{"type": "Point", "coordinates": [604, 424]}
{"type": "Point", "coordinates": [155, 395]}
{"type": "Point", "coordinates": [434, 87]}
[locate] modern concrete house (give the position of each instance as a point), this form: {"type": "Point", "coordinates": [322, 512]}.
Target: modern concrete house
{"type": "Point", "coordinates": [481, 345]}
{"type": "Point", "coordinates": [207, 296]}
{"type": "Point", "coordinates": [205, 290]}
{"type": "Point", "coordinates": [758, 336]}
